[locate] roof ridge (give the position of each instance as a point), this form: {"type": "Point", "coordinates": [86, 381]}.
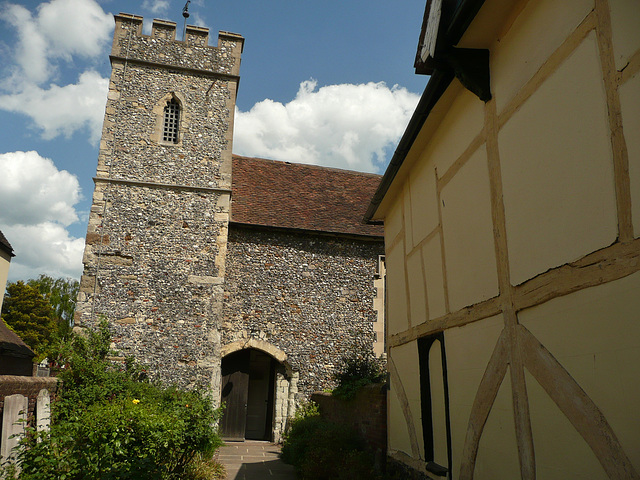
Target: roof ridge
{"type": "Point", "coordinates": [308, 165]}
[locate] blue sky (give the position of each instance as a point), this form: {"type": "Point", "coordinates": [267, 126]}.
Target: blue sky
{"type": "Point", "coordinates": [345, 64]}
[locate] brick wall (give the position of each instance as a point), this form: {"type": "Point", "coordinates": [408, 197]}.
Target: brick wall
{"type": "Point", "coordinates": [29, 387]}
{"type": "Point", "coordinates": [367, 413]}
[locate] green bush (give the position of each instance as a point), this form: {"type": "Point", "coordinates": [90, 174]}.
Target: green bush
{"type": "Point", "coordinates": [321, 450]}
{"type": "Point", "coordinates": [298, 438]}
{"type": "Point", "coordinates": [356, 370]}
{"type": "Point", "coordinates": [108, 424]}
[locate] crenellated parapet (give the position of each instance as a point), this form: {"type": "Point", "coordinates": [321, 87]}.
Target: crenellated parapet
{"type": "Point", "coordinates": [162, 48]}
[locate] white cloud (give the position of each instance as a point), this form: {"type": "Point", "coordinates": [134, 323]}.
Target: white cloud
{"type": "Point", "coordinates": [43, 248]}
{"type": "Point", "coordinates": [61, 29]}
{"type": "Point", "coordinates": [63, 110]}
{"type": "Point", "coordinates": [345, 126]}
{"type": "Point", "coordinates": [37, 205]}
{"type": "Point", "coordinates": [33, 190]}
{"type": "Point", "coordinates": [30, 51]}
{"type": "Point", "coordinates": [156, 6]}
{"type": "Point", "coordinates": [75, 27]}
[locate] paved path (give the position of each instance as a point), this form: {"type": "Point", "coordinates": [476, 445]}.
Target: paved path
{"type": "Point", "coordinates": [253, 460]}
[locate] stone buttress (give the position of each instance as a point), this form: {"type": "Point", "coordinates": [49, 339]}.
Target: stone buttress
{"type": "Point", "coordinates": [154, 261]}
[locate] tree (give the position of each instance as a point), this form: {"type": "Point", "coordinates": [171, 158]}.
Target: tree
{"type": "Point", "coordinates": [31, 316]}
{"type": "Point", "coordinates": [62, 293]}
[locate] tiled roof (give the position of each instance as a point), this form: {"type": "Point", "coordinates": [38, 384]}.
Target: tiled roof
{"type": "Point", "coordinates": [5, 245]}
{"type": "Point", "coordinates": [307, 197]}
{"type": "Point", "coordinates": [11, 343]}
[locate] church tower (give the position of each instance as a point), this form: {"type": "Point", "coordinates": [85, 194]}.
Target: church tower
{"type": "Point", "coordinates": [154, 261]}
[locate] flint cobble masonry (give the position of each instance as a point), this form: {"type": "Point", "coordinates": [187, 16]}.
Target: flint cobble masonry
{"type": "Point", "coordinates": [309, 295]}
{"type": "Point", "coordinates": [156, 240]}
{"type": "Point", "coordinates": [154, 276]}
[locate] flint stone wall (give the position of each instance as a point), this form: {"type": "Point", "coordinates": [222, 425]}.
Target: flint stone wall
{"type": "Point", "coordinates": [159, 280]}
{"type": "Point", "coordinates": [131, 146]}
{"type": "Point", "coordinates": [156, 241]}
{"type": "Point", "coordinates": [309, 295]}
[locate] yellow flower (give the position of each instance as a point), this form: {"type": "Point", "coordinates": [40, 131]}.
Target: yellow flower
{"type": "Point", "coordinates": [135, 401]}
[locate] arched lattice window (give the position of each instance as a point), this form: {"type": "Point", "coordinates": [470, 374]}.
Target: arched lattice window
{"type": "Point", "coordinates": [171, 121]}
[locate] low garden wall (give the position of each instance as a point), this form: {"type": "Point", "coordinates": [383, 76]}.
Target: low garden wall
{"type": "Point", "coordinates": [23, 400]}
{"type": "Point", "coordinates": [366, 413]}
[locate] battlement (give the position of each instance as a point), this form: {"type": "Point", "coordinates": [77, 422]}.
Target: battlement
{"type": "Point", "coordinates": [161, 47]}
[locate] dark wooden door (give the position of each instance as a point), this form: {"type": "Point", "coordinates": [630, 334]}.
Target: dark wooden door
{"type": "Point", "coordinates": [258, 401]}
{"type": "Point", "coordinates": [235, 390]}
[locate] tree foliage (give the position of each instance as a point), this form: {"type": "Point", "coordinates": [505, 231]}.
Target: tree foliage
{"type": "Point", "coordinates": [41, 311]}
{"type": "Point", "coordinates": [31, 316]}
{"type": "Point", "coordinates": [62, 294]}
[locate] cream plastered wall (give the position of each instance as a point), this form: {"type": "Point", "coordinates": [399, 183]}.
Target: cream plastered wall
{"type": "Point", "coordinates": [404, 427]}
{"type": "Point", "coordinates": [469, 349]}
{"type": "Point", "coordinates": [516, 232]}
{"type": "Point", "coordinates": [595, 334]}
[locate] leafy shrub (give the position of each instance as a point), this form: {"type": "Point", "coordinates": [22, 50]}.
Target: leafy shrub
{"type": "Point", "coordinates": [356, 370]}
{"type": "Point", "coordinates": [298, 438]}
{"type": "Point", "coordinates": [108, 424]}
{"type": "Point", "coordinates": [321, 450]}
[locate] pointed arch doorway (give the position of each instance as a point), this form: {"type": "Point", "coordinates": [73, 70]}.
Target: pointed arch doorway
{"type": "Point", "coordinates": [259, 389]}
{"type": "Point", "coordinates": [248, 391]}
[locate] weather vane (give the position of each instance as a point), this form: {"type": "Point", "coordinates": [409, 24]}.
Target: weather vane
{"type": "Point", "coordinates": [185, 14]}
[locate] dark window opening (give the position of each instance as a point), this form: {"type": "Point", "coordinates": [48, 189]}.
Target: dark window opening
{"type": "Point", "coordinates": [439, 374]}
{"type": "Point", "coordinates": [171, 121]}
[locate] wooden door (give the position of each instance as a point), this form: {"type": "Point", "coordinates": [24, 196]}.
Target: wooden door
{"type": "Point", "coordinates": [235, 390]}
{"type": "Point", "coordinates": [258, 400]}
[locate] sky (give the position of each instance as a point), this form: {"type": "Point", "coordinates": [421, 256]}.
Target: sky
{"type": "Point", "coordinates": [345, 65]}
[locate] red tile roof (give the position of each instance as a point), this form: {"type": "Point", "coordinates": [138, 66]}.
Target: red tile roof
{"type": "Point", "coordinates": [308, 197]}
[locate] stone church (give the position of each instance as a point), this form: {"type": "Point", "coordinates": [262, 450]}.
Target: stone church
{"type": "Point", "coordinates": [251, 277]}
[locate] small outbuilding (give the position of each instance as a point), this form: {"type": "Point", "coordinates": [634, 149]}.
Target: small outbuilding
{"type": "Point", "coordinates": [16, 358]}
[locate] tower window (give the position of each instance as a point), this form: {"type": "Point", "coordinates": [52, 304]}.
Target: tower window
{"type": "Point", "coordinates": [171, 121]}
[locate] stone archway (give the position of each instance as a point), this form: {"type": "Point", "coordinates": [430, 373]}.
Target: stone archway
{"type": "Point", "coordinates": [259, 389]}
